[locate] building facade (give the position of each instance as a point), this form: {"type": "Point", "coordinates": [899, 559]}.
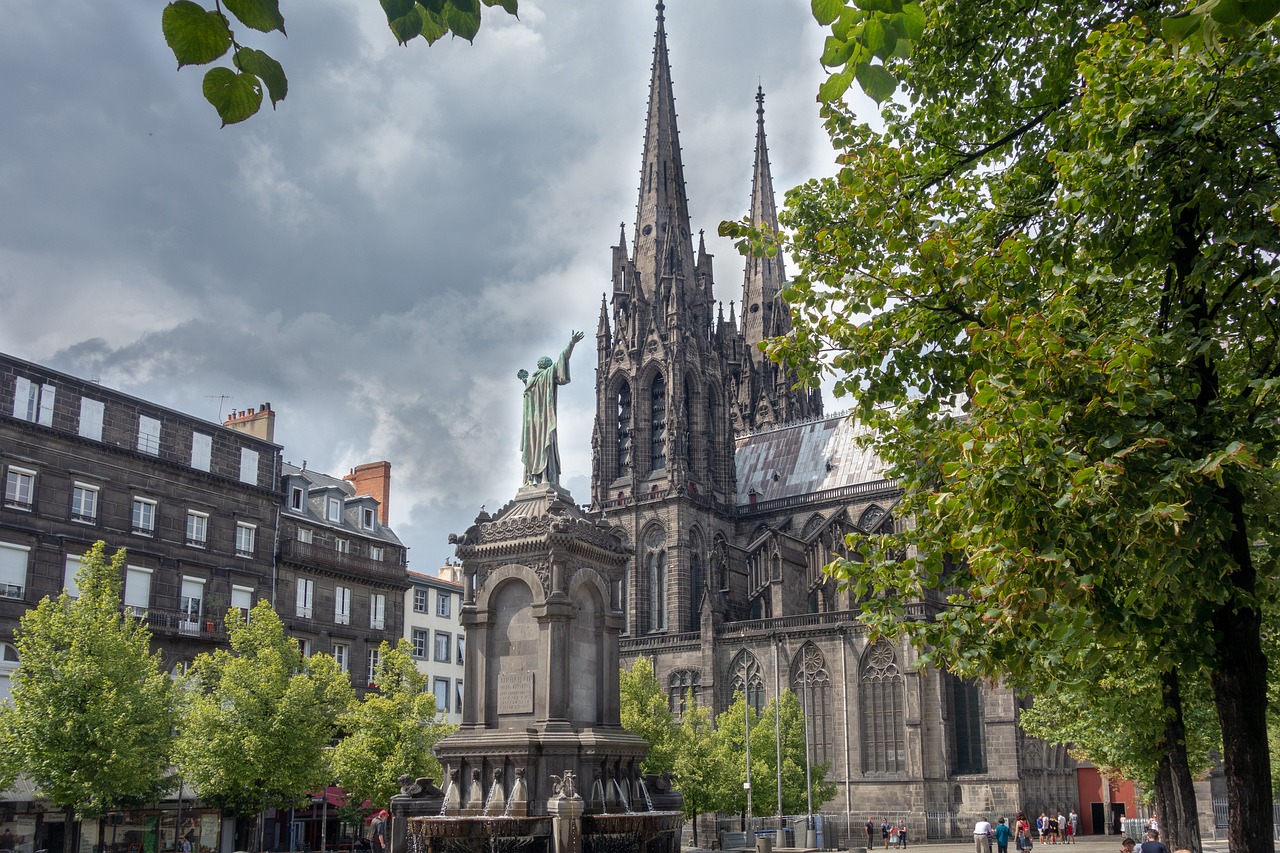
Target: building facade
{"type": "Point", "coordinates": [342, 580]}
{"type": "Point", "coordinates": [735, 490]}
{"type": "Point", "coordinates": [434, 631]}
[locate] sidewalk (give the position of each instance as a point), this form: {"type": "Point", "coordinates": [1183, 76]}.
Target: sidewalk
{"type": "Point", "coordinates": [1084, 844]}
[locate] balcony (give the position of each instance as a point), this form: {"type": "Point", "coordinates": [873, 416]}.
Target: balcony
{"type": "Point", "coordinates": [180, 623]}
{"type": "Point", "coordinates": [326, 557]}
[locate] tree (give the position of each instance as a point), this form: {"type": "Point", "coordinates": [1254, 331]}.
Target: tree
{"type": "Point", "coordinates": [1051, 285]}
{"type": "Point", "coordinates": [91, 713]}
{"type": "Point", "coordinates": [389, 733]}
{"type": "Point", "coordinates": [1119, 724]}
{"type": "Point", "coordinates": [257, 718]}
{"type": "Point", "coordinates": [797, 784]}
{"type": "Point", "coordinates": [198, 35]}
{"type": "Point", "coordinates": [696, 768]}
{"type": "Point", "coordinates": [644, 711]}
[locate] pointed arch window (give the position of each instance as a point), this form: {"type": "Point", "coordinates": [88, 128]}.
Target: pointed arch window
{"type": "Point", "coordinates": [812, 683]}
{"type": "Point", "coordinates": [748, 680]}
{"type": "Point", "coordinates": [624, 429]}
{"type": "Point", "coordinates": [710, 435]}
{"type": "Point", "coordinates": [658, 423]}
{"type": "Point", "coordinates": [683, 690]}
{"type": "Point", "coordinates": [880, 695]}
{"type": "Point", "coordinates": [697, 579]}
{"type": "Point", "coordinates": [686, 434]}
{"type": "Point", "coordinates": [655, 561]}
{"type": "Point", "coordinates": [965, 704]}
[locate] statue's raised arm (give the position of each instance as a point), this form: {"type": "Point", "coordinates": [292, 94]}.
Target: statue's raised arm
{"type": "Point", "coordinates": [538, 448]}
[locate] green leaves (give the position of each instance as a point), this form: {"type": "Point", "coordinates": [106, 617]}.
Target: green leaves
{"type": "Point", "coordinates": [195, 35]}
{"type": "Point", "coordinates": [1204, 25]}
{"type": "Point", "coordinates": [861, 33]}
{"type": "Point", "coordinates": [200, 36]}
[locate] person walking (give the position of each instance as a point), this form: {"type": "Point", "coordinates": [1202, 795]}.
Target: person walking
{"type": "Point", "coordinates": [884, 834]}
{"type": "Point", "coordinates": [982, 836]}
{"type": "Point", "coordinates": [871, 834]}
{"type": "Point", "coordinates": [1042, 827]}
{"type": "Point", "coordinates": [902, 834]}
{"type": "Point", "coordinates": [1023, 839]}
{"type": "Point", "coordinates": [1002, 836]}
{"type": "Point", "coordinates": [1073, 820]}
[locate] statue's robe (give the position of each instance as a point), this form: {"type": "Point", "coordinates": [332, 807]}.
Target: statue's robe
{"type": "Point", "coordinates": [538, 448]}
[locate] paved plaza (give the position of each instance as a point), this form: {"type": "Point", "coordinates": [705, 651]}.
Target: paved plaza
{"type": "Point", "coordinates": [1085, 844]}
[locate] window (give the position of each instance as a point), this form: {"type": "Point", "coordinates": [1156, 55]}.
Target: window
{"type": "Point", "coordinates": [306, 537]}
{"type": "Point", "coordinates": [421, 639]}
{"type": "Point", "coordinates": [197, 528]}
{"type": "Point", "coordinates": [342, 656]}
{"type": "Point", "coordinates": [343, 546]}
{"type": "Point", "coordinates": [91, 418]}
{"type": "Point", "coordinates": [8, 664]}
{"type": "Point", "coordinates": [658, 424]}
{"type": "Point", "coordinates": [375, 553]}
{"type": "Point", "coordinates": [457, 696]}
{"type": "Point", "coordinates": [191, 605]}
{"type": "Point", "coordinates": [462, 641]}
{"type": "Point", "coordinates": [683, 689]}
{"type": "Point", "coordinates": [377, 610]}
{"type": "Point", "coordinates": [812, 684]}
{"type": "Point", "coordinates": [246, 534]}
{"type": "Point", "coordinates": [374, 660]}
{"type": "Point", "coordinates": [148, 435]}
{"type": "Point", "coordinates": [420, 600]}
{"type": "Point", "coordinates": [304, 646]}
{"type": "Point", "coordinates": [19, 488]}
{"type": "Point", "coordinates": [367, 518]}
{"type": "Point", "coordinates": [242, 600]}
{"type": "Point", "coordinates": [297, 498]}
{"type": "Point", "coordinates": [144, 516]}
{"type": "Point", "coordinates": [33, 402]}
{"type": "Point", "coordinates": [444, 642]}
{"type": "Point", "coordinates": [342, 605]}
{"type": "Point", "coordinates": [440, 687]}
{"type": "Point", "coordinates": [306, 594]}
{"type": "Point", "coordinates": [84, 503]}
{"type": "Point", "coordinates": [249, 466]}
{"type": "Point", "coordinates": [655, 562]}
{"type": "Point", "coordinates": [444, 603]}
{"type": "Point", "coordinates": [13, 570]}
{"type": "Point", "coordinates": [624, 430]}
{"type": "Point", "coordinates": [333, 510]}
{"type": "Point", "coordinates": [69, 572]}
{"type": "Point", "coordinates": [201, 451]}
{"type": "Point", "coordinates": [880, 694]}
{"type": "Point", "coordinates": [137, 590]}
{"type": "Point", "coordinates": [967, 751]}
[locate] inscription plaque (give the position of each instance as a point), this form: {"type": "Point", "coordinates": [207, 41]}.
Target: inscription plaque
{"type": "Point", "coordinates": [515, 693]}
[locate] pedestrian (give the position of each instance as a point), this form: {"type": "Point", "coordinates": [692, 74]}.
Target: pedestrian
{"type": "Point", "coordinates": [1063, 828]}
{"type": "Point", "coordinates": [982, 836]}
{"type": "Point", "coordinates": [1002, 836]}
{"type": "Point", "coordinates": [902, 834]}
{"type": "Point", "coordinates": [1042, 827]}
{"type": "Point", "coordinates": [1053, 829]}
{"type": "Point", "coordinates": [884, 834]}
{"type": "Point", "coordinates": [893, 835]}
{"type": "Point", "coordinates": [1152, 844]}
{"type": "Point", "coordinates": [871, 834]}
{"type": "Point", "coordinates": [378, 832]}
{"type": "Point", "coordinates": [1023, 840]}
{"type": "Point", "coordinates": [1126, 845]}
{"type": "Point", "coordinates": [1074, 820]}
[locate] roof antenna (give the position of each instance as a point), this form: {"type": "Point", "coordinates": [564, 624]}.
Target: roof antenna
{"type": "Point", "coordinates": [221, 398]}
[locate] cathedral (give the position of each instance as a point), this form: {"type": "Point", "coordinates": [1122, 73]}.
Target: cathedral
{"type": "Point", "coordinates": [735, 490]}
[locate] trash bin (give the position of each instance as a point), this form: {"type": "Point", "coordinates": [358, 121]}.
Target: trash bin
{"type": "Point", "coordinates": [764, 840]}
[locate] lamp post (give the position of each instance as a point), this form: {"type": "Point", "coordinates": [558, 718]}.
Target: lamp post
{"type": "Point", "coordinates": [777, 722]}
{"type": "Point", "coordinates": [746, 738]}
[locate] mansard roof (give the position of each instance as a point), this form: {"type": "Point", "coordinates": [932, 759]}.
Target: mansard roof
{"type": "Point", "coordinates": [804, 459]}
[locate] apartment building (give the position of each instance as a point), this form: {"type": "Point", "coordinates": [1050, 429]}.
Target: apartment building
{"type": "Point", "coordinates": [434, 630]}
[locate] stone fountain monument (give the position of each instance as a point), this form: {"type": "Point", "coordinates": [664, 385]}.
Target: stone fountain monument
{"type": "Point", "coordinates": [541, 760]}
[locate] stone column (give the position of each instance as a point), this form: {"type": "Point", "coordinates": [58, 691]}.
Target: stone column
{"type": "Point", "coordinates": [566, 823]}
{"type": "Point", "coordinates": [611, 712]}
{"type": "Point", "coordinates": [557, 615]}
{"type": "Point", "coordinates": [475, 626]}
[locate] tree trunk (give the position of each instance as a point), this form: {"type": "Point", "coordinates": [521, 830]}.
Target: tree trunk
{"type": "Point", "coordinates": [69, 840]}
{"type": "Point", "coordinates": [1179, 817]}
{"type": "Point", "coordinates": [102, 821]}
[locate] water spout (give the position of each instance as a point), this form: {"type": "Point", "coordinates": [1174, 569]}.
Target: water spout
{"type": "Point", "coordinates": [597, 796]}
{"type": "Point", "coordinates": [622, 796]}
{"type": "Point", "coordinates": [644, 790]}
{"type": "Point", "coordinates": [475, 798]}
{"type": "Point", "coordinates": [495, 802]}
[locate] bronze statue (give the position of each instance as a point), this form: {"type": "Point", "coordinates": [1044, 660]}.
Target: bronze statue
{"type": "Point", "coordinates": [538, 448]}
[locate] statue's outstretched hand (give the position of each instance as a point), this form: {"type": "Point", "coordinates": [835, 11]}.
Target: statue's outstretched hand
{"type": "Point", "coordinates": [574, 338]}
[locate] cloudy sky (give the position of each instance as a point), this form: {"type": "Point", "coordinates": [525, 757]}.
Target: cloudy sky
{"type": "Point", "coordinates": [379, 255]}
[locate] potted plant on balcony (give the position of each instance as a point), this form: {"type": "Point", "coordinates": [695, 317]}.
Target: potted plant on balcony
{"type": "Point", "coordinates": [214, 604]}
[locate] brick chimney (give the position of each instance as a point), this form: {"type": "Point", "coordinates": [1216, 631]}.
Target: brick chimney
{"type": "Point", "coordinates": [259, 424]}
{"type": "Point", "coordinates": [373, 479]}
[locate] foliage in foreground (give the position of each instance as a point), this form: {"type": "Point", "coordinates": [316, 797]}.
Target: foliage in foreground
{"type": "Point", "coordinates": [1051, 286]}
{"type": "Point", "coordinates": [198, 35]}
{"type": "Point", "coordinates": [91, 711]}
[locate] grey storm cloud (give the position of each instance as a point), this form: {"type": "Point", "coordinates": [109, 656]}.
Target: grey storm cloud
{"type": "Point", "coordinates": [379, 255]}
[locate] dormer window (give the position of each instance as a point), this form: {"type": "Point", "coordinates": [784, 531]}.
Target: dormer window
{"type": "Point", "coordinates": [334, 509]}
{"type": "Point", "coordinates": [367, 518]}
{"type": "Point", "coordinates": [297, 498]}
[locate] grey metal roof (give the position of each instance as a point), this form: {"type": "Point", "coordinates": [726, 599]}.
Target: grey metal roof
{"type": "Point", "coordinates": [318, 482]}
{"type": "Point", "coordinates": [801, 459]}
